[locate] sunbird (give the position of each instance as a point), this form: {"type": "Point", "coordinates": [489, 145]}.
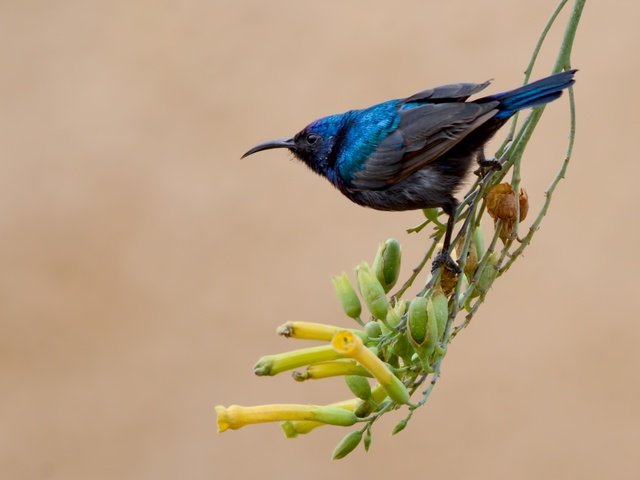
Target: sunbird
{"type": "Point", "coordinates": [413, 153]}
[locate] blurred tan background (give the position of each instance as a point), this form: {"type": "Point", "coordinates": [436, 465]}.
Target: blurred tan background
{"type": "Point", "coordinates": [144, 267]}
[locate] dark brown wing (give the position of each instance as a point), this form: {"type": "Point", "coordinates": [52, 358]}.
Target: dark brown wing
{"type": "Point", "coordinates": [424, 134]}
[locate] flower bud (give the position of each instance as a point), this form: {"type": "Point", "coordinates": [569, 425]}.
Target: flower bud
{"type": "Point", "coordinates": [359, 386]}
{"type": "Point", "coordinates": [367, 439]}
{"type": "Point", "coordinates": [489, 274]}
{"type": "Point", "coordinates": [372, 292]}
{"type": "Point", "coordinates": [347, 295]}
{"type": "Point", "coordinates": [399, 426]}
{"type": "Point", "coordinates": [402, 348]}
{"type": "Point", "coordinates": [441, 311]}
{"type": "Point", "coordinates": [364, 408]}
{"type": "Point", "coordinates": [386, 265]}
{"type": "Point", "coordinates": [424, 319]}
{"type": "Point", "coordinates": [372, 329]}
{"type": "Point", "coordinates": [432, 328]}
{"type": "Point", "coordinates": [417, 321]}
{"type": "Point", "coordinates": [347, 445]}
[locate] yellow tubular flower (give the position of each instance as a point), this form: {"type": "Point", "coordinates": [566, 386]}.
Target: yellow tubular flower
{"type": "Point", "coordinates": [334, 368]}
{"type": "Point", "coordinates": [349, 345]}
{"type": "Point", "coordinates": [312, 331]}
{"type": "Point", "coordinates": [235, 416]}
{"type": "Point", "coordinates": [281, 362]}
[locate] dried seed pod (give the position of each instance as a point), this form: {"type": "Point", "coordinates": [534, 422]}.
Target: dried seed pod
{"type": "Point", "coordinates": [524, 204]}
{"type": "Point", "coordinates": [448, 281]}
{"type": "Point", "coordinates": [501, 202]}
{"type": "Point", "coordinates": [501, 205]}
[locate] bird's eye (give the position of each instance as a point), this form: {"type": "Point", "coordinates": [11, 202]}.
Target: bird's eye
{"type": "Point", "coordinates": [311, 138]}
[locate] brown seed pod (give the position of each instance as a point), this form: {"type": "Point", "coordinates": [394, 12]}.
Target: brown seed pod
{"type": "Point", "coordinates": [501, 202]}
{"type": "Point", "coordinates": [448, 281]}
{"type": "Point", "coordinates": [501, 205]}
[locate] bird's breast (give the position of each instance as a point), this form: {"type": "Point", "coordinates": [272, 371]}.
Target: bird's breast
{"type": "Point", "coordinates": [424, 189]}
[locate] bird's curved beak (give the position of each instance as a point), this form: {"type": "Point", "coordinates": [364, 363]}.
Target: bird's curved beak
{"type": "Point", "coordinates": [280, 143]}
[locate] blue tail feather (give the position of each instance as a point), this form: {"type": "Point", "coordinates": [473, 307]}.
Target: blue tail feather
{"type": "Point", "coordinates": [533, 94]}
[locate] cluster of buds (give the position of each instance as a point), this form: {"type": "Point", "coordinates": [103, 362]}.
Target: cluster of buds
{"type": "Point", "coordinates": [398, 343]}
{"type": "Point", "coordinates": [382, 361]}
{"type": "Point", "coordinates": [503, 207]}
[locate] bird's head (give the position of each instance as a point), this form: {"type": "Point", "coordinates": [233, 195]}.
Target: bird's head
{"type": "Point", "coordinates": [315, 145]}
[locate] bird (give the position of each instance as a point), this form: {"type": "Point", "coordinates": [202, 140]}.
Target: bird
{"type": "Point", "coordinates": [415, 152]}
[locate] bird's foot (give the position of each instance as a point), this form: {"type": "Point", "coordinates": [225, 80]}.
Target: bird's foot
{"type": "Point", "coordinates": [486, 166]}
{"type": "Point", "coordinates": [443, 259]}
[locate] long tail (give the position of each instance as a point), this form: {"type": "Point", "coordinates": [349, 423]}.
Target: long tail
{"type": "Point", "coordinates": [533, 94]}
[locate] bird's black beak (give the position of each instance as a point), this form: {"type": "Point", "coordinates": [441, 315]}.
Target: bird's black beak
{"type": "Point", "coordinates": [281, 143]}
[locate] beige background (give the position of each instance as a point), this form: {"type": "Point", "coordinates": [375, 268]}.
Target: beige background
{"type": "Point", "coordinates": [144, 267]}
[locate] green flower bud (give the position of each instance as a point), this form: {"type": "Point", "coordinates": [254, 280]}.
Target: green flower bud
{"type": "Point", "coordinates": [478, 242]}
{"type": "Point", "coordinates": [372, 329]}
{"type": "Point", "coordinates": [399, 426]}
{"type": "Point", "coordinates": [367, 440]}
{"type": "Point", "coordinates": [417, 321]}
{"type": "Point", "coordinates": [393, 319]}
{"type": "Point", "coordinates": [441, 311]}
{"type": "Point", "coordinates": [402, 348]}
{"type": "Point", "coordinates": [347, 445]}
{"type": "Point", "coordinates": [423, 330]}
{"type": "Point", "coordinates": [359, 386]}
{"type": "Point", "coordinates": [372, 292]}
{"type": "Point", "coordinates": [347, 295]}
{"type": "Point", "coordinates": [364, 408]}
{"type": "Point", "coordinates": [386, 265]}
{"type": "Point", "coordinates": [489, 274]}
{"type": "Point", "coordinates": [400, 308]}
{"type": "Point", "coordinates": [432, 215]}
{"type": "Point", "coordinates": [432, 330]}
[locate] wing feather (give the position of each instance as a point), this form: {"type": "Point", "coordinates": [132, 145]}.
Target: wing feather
{"type": "Point", "coordinates": [424, 134]}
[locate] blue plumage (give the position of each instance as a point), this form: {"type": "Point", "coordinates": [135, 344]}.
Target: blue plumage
{"type": "Point", "coordinates": [413, 152]}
